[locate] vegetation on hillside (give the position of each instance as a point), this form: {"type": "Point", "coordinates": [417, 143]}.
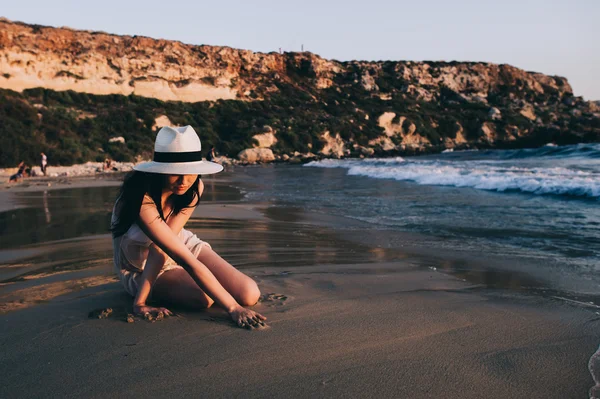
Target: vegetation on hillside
{"type": "Point", "coordinates": [73, 127]}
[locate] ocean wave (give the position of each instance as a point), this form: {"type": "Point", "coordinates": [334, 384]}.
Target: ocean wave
{"type": "Point", "coordinates": [549, 151]}
{"type": "Point", "coordinates": [501, 178]}
{"type": "Point", "coordinates": [342, 163]}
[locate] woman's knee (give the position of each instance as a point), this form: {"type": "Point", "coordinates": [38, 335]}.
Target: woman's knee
{"type": "Point", "coordinates": [249, 293]}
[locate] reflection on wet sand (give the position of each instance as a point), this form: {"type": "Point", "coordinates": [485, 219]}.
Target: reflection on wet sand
{"type": "Point", "coordinates": [59, 256]}
{"type": "Point", "coordinates": [487, 277]}
{"type": "Point", "coordinates": [46, 209]}
{"type": "Point", "coordinates": [250, 243]}
{"type": "Point", "coordinates": [59, 234]}
{"type": "Point", "coordinates": [56, 215]}
{"type": "Point", "coordinates": [25, 297]}
{"type": "Point", "coordinates": [62, 233]}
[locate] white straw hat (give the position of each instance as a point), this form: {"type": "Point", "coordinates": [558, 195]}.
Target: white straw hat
{"type": "Point", "coordinates": [177, 152]}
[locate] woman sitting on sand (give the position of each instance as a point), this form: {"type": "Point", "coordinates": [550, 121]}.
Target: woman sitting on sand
{"type": "Point", "coordinates": [20, 172]}
{"type": "Point", "coordinates": [153, 253]}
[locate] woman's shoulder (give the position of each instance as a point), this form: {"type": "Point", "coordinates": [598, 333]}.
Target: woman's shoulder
{"type": "Point", "coordinates": [147, 200]}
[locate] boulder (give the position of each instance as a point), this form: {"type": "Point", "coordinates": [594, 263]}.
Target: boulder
{"type": "Point", "coordinates": [119, 139]}
{"type": "Point", "coordinates": [458, 140]}
{"type": "Point", "coordinates": [366, 151]}
{"type": "Point", "coordinates": [256, 155]}
{"type": "Point", "coordinates": [495, 113]}
{"type": "Point", "coordinates": [223, 160]}
{"type": "Point", "coordinates": [488, 131]}
{"type": "Point", "coordinates": [161, 121]}
{"type": "Point", "coordinates": [334, 146]}
{"type": "Point", "coordinates": [528, 113]}
{"type": "Point", "coordinates": [368, 82]}
{"type": "Point", "coordinates": [512, 132]}
{"type": "Point", "coordinates": [265, 139]}
{"type": "Point", "coordinates": [404, 129]}
{"type": "Point", "coordinates": [384, 143]}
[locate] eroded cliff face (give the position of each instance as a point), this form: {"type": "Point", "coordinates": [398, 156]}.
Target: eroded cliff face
{"type": "Point", "coordinates": [101, 63]}
{"type": "Point", "coordinates": [386, 106]}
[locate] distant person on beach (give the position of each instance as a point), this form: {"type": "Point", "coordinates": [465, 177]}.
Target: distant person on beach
{"type": "Point", "coordinates": [20, 173]}
{"type": "Point", "coordinates": [107, 164]}
{"type": "Point", "coordinates": [212, 154]}
{"type": "Point", "coordinates": [43, 163]}
{"type": "Point", "coordinates": [154, 255]}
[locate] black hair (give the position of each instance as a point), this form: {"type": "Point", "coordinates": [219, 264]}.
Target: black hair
{"type": "Point", "coordinates": [135, 186]}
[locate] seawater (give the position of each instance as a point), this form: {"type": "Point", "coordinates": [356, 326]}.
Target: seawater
{"type": "Point", "coordinates": [535, 210]}
{"type": "Point", "coordinates": [524, 219]}
{"type": "Point", "coordinates": [568, 170]}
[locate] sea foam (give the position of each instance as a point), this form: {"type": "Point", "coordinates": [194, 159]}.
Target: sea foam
{"type": "Point", "coordinates": [496, 174]}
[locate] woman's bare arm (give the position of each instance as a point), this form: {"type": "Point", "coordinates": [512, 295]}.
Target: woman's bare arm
{"type": "Point", "coordinates": [155, 262]}
{"type": "Point", "coordinates": [156, 256]}
{"type": "Point", "coordinates": [165, 238]}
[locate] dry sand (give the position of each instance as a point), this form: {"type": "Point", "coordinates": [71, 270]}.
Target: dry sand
{"type": "Point", "coordinates": [345, 320]}
{"type": "Point", "coordinates": [372, 330]}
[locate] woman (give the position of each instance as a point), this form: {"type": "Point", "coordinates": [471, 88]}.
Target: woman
{"type": "Point", "coordinates": [19, 175]}
{"type": "Point", "coordinates": [152, 251]}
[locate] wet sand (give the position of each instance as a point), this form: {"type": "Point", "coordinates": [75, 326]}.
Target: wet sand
{"type": "Point", "coordinates": [345, 318]}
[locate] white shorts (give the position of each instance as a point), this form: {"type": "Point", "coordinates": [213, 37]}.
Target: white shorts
{"type": "Point", "coordinates": [131, 279]}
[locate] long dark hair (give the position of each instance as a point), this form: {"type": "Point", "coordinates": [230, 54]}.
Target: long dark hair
{"type": "Point", "coordinates": [135, 186]}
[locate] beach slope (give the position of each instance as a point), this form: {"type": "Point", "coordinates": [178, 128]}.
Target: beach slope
{"type": "Point", "coordinates": [366, 330]}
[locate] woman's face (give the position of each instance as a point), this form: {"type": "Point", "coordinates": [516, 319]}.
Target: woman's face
{"type": "Point", "coordinates": [179, 184]}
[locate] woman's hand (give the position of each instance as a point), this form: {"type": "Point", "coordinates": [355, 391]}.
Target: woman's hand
{"type": "Point", "coordinates": [150, 312]}
{"type": "Point", "coordinates": [247, 318]}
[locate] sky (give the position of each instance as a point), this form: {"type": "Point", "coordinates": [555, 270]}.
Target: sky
{"type": "Point", "coordinates": [554, 37]}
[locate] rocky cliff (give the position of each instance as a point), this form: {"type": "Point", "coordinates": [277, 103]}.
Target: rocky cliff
{"type": "Point", "coordinates": [100, 63]}
{"type": "Point", "coordinates": [239, 99]}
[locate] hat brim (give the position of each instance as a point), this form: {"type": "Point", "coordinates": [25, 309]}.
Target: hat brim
{"type": "Point", "coordinates": [179, 168]}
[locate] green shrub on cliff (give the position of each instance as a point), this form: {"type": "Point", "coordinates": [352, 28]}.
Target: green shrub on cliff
{"type": "Point", "coordinates": [75, 127]}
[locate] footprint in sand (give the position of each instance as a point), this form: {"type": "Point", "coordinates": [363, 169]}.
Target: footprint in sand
{"type": "Point", "coordinates": [103, 313]}
{"type": "Point", "coordinates": [119, 314]}
{"type": "Point", "coordinates": [273, 299]}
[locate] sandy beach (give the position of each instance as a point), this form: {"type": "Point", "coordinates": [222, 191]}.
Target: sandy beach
{"type": "Point", "coordinates": [345, 318]}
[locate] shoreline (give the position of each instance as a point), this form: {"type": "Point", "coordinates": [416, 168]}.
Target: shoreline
{"type": "Point", "coordinates": [466, 266]}
{"type": "Point", "coordinates": [91, 168]}
{"type": "Point", "coordinates": [344, 319]}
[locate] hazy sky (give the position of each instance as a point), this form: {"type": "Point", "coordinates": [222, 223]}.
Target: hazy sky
{"type": "Point", "coordinates": [549, 36]}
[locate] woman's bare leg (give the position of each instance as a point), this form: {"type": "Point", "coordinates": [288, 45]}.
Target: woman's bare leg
{"type": "Point", "coordinates": [241, 287]}
{"type": "Point", "coordinates": [177, 287]}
